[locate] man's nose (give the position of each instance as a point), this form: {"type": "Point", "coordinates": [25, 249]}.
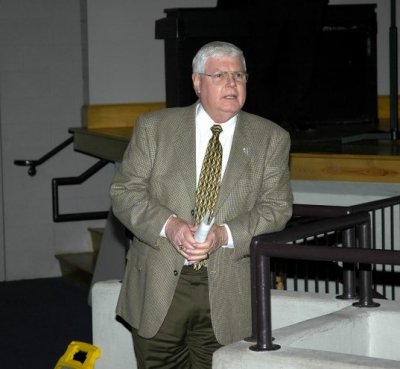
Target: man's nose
{"type": "Point", "coordinates": [230, 79]}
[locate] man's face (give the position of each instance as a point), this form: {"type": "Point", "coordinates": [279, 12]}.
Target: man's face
{"type": "Point", "coordinates": [221, 99]}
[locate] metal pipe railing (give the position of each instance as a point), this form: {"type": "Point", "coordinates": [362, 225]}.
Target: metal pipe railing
{"type": "Point", "coordinates": [385, 234]}
{"type": "Point", "coordinates": [68, 181]}
{"type": "Point", "coordinates": [32, 164]}
{"type": "Point", "coordinates": [264, 247]}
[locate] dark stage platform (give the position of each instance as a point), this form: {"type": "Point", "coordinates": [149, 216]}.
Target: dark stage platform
{"type": "Point", "coordinates": [346, 152]}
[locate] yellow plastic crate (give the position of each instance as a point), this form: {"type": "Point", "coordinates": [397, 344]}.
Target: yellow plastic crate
{"type": "Point", "coordinates": [79, 355]}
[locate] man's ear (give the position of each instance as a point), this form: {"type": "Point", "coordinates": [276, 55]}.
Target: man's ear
{"type": "Point", "coordinates": [196, 83]}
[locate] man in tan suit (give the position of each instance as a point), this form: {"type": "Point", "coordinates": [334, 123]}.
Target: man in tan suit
{"type": "Point", "coordinates": [180, 314]}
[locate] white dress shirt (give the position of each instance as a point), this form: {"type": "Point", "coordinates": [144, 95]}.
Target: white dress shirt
{"type": "Point", "coordinates": [203, 135]}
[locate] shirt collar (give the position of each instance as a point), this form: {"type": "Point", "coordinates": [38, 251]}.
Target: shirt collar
{"type": "Point", "coordinates": [206, 121]}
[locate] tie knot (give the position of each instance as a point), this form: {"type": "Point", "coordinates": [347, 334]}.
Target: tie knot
{"type": "Point", "coordinates": [216, 129]}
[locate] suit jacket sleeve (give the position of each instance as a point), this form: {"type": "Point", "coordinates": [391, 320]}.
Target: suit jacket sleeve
{"type": "Point", "coordinates": [132, 202]}
{"type": "Point", "coordinates": [272, 204]}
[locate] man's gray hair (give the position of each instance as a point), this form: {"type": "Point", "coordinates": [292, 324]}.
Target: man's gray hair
{"type": "Point", "coordinates": [215, 49]}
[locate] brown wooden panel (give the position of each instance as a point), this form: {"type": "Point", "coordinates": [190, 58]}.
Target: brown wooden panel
{"type": "Point", "coordinates": [110, 127]}
{"type": "Point", "coordinates": [384, 106]}
{"type": "Point", "coordinates": [352, 168]}
{"type": "Point", "coordinates": [124, 115]}
{"type": "Point", "coordinates": [117, 115]}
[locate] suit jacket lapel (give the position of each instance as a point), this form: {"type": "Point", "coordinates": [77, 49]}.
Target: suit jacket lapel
{"type": "Point", "coordinates": [185, 143]}
{"type": "Point", "coordinates": [237, 162]}
{"type": "Point", "coordinates": [184, 140]}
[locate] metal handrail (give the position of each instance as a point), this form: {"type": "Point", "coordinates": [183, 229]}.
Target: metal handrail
{"type": "Point", "coordinates": [265, 246]}
{"type": "Point", "coordinates": [66, 181]}
{"type": "Point", "coordinates": [56, 182]}
{"type": "Point", "coordinates": [32, 164]}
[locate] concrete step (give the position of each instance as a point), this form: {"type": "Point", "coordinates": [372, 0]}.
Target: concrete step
{"type": "Point", "coordinates": [78, 266]}
{"type": "Point", "coordinates": [96, 235]}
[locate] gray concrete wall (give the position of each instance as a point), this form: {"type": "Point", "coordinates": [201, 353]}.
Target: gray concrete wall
{"type": "Point", "coordinates": [44, 82]}
{"type": "Point", "coordinates": [126, 62]}
{"type": "Point", "coordinates": [42, 92]}
{"type": "Point", "coordinates": [2, 253]}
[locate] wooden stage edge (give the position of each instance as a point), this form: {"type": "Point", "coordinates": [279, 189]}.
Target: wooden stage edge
{"type": "Point", "coordinates": [343, 167]}
{"type": "Point", "coordinates": [107, 129]}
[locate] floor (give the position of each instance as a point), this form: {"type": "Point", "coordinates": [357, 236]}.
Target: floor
{"type": "Point", "coordinates": [38, 320]}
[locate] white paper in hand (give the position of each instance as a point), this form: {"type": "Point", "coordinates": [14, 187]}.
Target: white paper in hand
{"type": "Point", "coordinates": [204, 227]}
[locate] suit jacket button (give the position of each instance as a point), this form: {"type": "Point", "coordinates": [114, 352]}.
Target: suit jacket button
{"type": "Point", "coordinates": [192, 213]}
{"type": "Point", "coordinates": [175, 273]}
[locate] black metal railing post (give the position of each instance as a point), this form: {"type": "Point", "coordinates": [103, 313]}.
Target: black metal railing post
{"type": "Point", "coordinates": [263, 288]}
{"type": "Point", "coordinates": [365, 271]}
{"type": "Point", "coordinates": [254, 300]}
{"type": "Point", "coordinates": [268, 246]}
{"type": "Point", "coordinates": [349, 273]}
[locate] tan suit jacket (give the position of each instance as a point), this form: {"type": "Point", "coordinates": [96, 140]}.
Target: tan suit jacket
{"type": "Point", "coordinates": [157, 178]}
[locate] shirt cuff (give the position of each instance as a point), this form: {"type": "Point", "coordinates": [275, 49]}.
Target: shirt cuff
{"type": "Point", "coordinates": [162, 233]}
{"type": "Point", "coordinates": [230, 244]}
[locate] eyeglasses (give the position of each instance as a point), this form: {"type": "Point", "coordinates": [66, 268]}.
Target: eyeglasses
{"type": "Point", "coordinates": [219, 78]}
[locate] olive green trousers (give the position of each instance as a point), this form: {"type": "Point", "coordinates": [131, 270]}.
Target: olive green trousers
{"type": "Point", "coordinates": [186, 338]}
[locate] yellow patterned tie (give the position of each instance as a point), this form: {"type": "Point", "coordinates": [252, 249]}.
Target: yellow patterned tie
{"type": "Point", "coordinates": [209, 182]}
